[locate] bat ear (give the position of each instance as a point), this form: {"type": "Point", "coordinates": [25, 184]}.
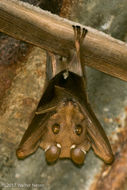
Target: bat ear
{"type": "Point", "coordinates": [98, 138]}
{"type": "Point", "coordinates": [32, 137]}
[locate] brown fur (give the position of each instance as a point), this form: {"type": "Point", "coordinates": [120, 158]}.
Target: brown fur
{"type": "Point", "coordinates": [64, 103]}
{"type": "Point", "coordinates": [68, 115]}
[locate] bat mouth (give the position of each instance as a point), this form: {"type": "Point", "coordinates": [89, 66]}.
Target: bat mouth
{"type": "Point", "coordinates": [66, 101]}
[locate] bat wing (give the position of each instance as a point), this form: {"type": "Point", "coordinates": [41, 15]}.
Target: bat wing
{"type": "Point", "coordinates": [74, 84]}
{"type": "Point", "coordinates": [32, 136]}
{"type": "Point", "coordinates": [99, 140]}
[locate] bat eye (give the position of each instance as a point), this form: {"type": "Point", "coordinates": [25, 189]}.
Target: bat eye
{"type": "Point", "coordinates": [78, 129]}
{"type": "Point", "coordinates": [56, 128]}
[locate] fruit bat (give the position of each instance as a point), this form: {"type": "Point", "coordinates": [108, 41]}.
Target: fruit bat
{"type": "Point", "coordinates": [64, 125]}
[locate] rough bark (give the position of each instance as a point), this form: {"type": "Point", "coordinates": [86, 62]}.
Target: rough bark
{"type": "Point", "coordinates": [48, 31]}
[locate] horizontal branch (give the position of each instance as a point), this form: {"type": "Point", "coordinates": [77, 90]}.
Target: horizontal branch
{"type": "Point", "coordinates": [50, 32]}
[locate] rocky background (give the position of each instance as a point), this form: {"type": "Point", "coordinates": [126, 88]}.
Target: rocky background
{"type": "Point", "coordinates": [22, 76]}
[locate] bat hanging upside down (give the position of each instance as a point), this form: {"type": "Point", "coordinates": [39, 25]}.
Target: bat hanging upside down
{"type": "Point", "coordinates": [64, 125]}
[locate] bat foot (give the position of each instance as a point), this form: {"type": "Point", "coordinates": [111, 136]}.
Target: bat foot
{"type": "Point", "coordinates": [79, 33]}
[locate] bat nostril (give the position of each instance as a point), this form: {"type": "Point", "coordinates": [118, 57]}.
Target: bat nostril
{"type": "Point", "coordinates": [77, 156]}
{"type": "Point", "coordinates": [52, 153]}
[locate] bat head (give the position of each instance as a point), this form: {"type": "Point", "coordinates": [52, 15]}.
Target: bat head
{"type": "Point", "coordinates": [66, 135]}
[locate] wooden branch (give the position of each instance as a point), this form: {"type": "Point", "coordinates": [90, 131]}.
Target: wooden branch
{"type": "Point", "coordinates": [50, 32]}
